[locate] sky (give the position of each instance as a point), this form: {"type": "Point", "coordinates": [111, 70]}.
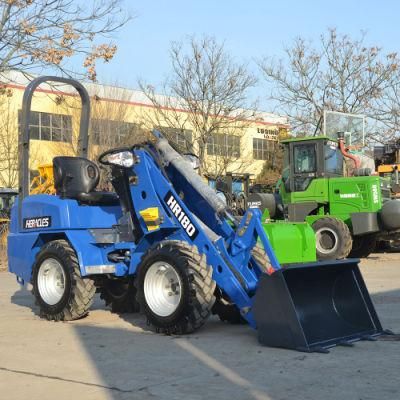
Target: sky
{"type": "Point", "coordinates": [250, 30]}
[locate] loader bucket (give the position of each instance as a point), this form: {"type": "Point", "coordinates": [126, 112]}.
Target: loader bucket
{"type": "Point", "coordinates": [315, 306]}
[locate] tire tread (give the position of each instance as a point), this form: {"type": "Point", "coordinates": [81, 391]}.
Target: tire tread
{"type": "Point", "coordinates": [345, 235]}
{"type": "Point", "coordinates": [82, 289]}
{"type": "Point", "coordinates": [201, 287]}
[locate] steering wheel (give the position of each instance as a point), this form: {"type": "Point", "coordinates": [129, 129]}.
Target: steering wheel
{"type": "Point", "coordinates": [101, 159]}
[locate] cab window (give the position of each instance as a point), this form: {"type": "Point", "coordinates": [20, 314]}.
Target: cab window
{"type": "Point", "coordinates": [333, 160]}
{"type": "Point", "coordinates": [304, 165]}
{"type": "Point", "coordinates": [305, 160]}
{"type": "Point", "coordinates": [286, 163]}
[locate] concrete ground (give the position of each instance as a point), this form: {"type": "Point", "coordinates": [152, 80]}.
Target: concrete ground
{"type": "Point", "coordinates": [107, 356]}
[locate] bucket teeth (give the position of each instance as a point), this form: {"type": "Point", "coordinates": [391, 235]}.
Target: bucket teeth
{"type": "Point", "coordinates": [369, 338]}
{"type": "Point", "coordinates": [345, 344]}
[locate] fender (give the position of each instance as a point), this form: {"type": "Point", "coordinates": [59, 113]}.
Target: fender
{"type": "Point", "coordinates": [92, 257]}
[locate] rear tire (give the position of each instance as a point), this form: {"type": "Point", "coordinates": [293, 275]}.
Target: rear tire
{"type": "Point", "coordinates": [175, 288]}
{"type": "Point", "coordinates": [333, 239]}
{"type": "Point", "coordinates": [363, 246]}
{"type": "Point", "coordinates": [120, 295]}
{"type": "Point", "coordinates": [60, 291]}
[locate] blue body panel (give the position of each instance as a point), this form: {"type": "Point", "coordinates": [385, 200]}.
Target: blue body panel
{"type": "Point", "coordinates": [65, 213]}
{"type": "Point", "coordinates": [69, 220]}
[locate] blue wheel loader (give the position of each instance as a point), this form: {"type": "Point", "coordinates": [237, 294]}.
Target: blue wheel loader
{"type": "Point", "coordinates": [164, 242]}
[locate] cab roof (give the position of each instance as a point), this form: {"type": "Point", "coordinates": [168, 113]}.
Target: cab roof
{"type": "Point", "coordinates": [308, 138]}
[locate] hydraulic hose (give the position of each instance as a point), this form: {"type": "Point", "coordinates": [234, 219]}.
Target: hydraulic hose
{"type": "Point", "coordinates": [170, 155]}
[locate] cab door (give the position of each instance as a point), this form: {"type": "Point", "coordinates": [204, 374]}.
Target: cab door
{"type": "Point", "coordinates": [303, 165]}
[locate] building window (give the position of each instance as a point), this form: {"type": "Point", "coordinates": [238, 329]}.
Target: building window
{"type": "Point", "coordinates": [262, 149]}
{"type": "Point", "coordinates": [109, 132]}
{"type": "Point", "coordinates": [182, 138]}
{"type": "Point", "coordinates": [52, 127]}
{"type": "Point", "coordinates": [223, 145]}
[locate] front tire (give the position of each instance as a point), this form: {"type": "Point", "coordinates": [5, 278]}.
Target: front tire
{"type": "Point", "coordinates": [60, 291]}
{"type": "Point", "coordinates": [175, 288]}
{"type": "Point", "coordinates": [333, 239]}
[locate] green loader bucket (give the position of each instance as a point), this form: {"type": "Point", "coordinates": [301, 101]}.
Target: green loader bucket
{"type": "Point", "coordinates": [315, 306]}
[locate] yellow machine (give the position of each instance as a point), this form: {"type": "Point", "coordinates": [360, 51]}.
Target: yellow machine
{"type": "Point", "coordinates": [4, 228]}
{"type": "Point", "coordinates": [43, 183]}
{"type": "Point", "coordinates": [387, 163]}
{"type": "Point", "coordinates": [387, 169]}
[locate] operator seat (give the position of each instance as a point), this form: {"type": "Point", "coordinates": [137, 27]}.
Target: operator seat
{"type": "Point", "coordinates": [76, 178]}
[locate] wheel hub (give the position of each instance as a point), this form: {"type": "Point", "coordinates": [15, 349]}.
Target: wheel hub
{"type": "Point", "coordinates": [162, 288]}
{"type": "Point", "coordinates": [51, 281]}
{"type": "Point", "coordinates": [326, 240]}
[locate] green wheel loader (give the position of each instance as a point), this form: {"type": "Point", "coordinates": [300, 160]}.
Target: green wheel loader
{"type": "Point", "coordinates": [348, 213]}
{"type": "Point", "coordinates": [297, 237]}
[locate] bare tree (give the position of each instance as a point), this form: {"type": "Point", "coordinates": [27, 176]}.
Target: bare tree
{"type": "Point", "coordinates": [8, 141]}
{"type": "Point", "coordinates": [9, 130]}
{"type": "Point", "coordinates": [112, 120]}
{"type": "Point", "coordinates": [340, 74]}
{"type": "Point", "coordinates": [46, 33]}
{"type": "Point", "coordinates": [206, 93]}
{"type": "Point", "coordinates": [387, 111]}
{"type": "Point", "coordinates": [110, 126]}
{"type": "Point", "coordinates": [272, 167]}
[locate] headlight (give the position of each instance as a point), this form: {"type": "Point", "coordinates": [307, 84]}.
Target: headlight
{"type": "Point", "coordinates": [123, 159]}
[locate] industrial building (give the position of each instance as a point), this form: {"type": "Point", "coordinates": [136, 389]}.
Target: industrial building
{"type": "Point", "coordinates": [121, 116]}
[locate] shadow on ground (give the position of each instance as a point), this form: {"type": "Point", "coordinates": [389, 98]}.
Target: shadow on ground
{"type": "Point", "coordinates": [219, 361]}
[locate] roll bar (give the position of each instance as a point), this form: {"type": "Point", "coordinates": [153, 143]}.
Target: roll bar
{"type": "Point", "coordinates": [24, 136]}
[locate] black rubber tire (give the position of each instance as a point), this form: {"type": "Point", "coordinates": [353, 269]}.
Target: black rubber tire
{"type": "Point", "coordinates": [226, 310]}
{"type": "Point", "coordinates": [197, 291]}
{"type": "Point", "coordinates": [79, 292]}
{"type": "Point", "coordinates": [383, 246]}
{"type": "Point", "coordinates": [342, 239]}
{"type": "Point", "coordinates": [363, 246]}
{"type": "Point", "coordinates": [120, 295]}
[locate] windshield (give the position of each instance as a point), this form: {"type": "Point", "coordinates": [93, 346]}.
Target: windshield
{"type": "Point", "coordinates": [304, 159]}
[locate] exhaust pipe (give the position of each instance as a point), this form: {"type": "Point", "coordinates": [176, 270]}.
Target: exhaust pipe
{"type": "Point", "coordinates": [342, 147]}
